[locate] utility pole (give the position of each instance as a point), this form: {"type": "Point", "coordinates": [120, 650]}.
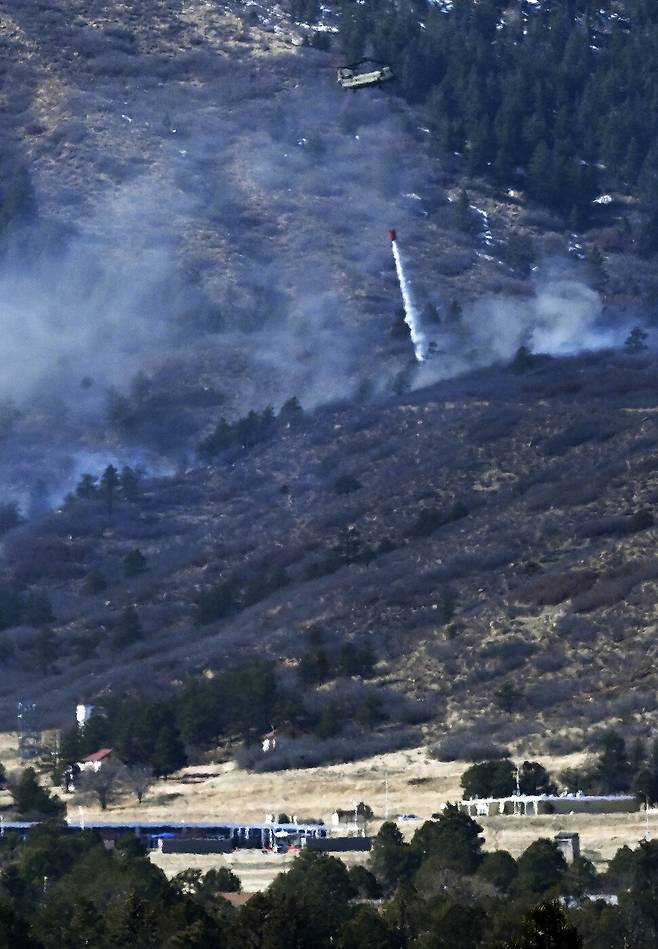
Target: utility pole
{"type": "Point", "coordinates": [386, 795]}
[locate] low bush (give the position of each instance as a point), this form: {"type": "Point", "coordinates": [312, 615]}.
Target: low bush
{"type": "Point", "coordinates": [309, 752]}
{"type": "Point", "coordinates": [431, 519]}
{"type": "Point", "coordinates": [460, 746]}
{"type": "Point", "coordinates": [614, 587]}
{"type": "Point", "coordinates": [579, 433]}
{"type": "Point", "coordinates": [548, 589]}
{"type": "Point", "coordinates": [494, 424]}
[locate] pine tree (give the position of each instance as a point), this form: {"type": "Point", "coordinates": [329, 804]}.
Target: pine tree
{"type": "Point", "coordinates": [18, 204]}
{"type": "Point", "coordinates": [129, 484]}
{"type": "Point", "coordinates": [127, 630]}
{"type": "Point", "coordinates": [45, 651]}
{"type": "Point", "coordinates": [168, 752]}
{"type": "Point", "coordinates": [87, 487]}
{"type": "Point", "coordinates": [32, 801]}
{"type": "Point", "coordinates": [612, 767]}
{"type": "Point", "coordinates": [134, 563]}
{"type": "Point", "coordinates": [109, 486]}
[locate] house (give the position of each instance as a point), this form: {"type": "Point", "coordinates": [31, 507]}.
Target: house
{"type": "Point", "coordinates": [95, 761]}
{"type": "Point", "coordinates": [350, 821]}
{"type": "Point", "coordinates": [268, 740]}
{"type": "Point", "coordinates": [568, 843]}
{"type": "Point", "coordinates": [272, 739]}
{"type": "Point", "coordinates": [83, 713]}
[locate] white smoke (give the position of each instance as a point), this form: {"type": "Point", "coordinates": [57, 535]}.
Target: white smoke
{"type": "Point", "coordinates": [563, 317]}
{"type": "Point", "coordinates": [411, 314]}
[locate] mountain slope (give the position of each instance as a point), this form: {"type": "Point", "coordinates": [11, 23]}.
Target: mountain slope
{"type": "Point", "coordinates": [501, 533]}
{"type": "Point", "coordinates": [206, 237]}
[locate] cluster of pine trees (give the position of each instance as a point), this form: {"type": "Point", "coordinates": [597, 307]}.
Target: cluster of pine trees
{"type": "Point", "coordinates": [558, 97]}
{"type": "Point", "coordinates": [240, 703]}
{"type": "Point", "coordinates": [253, 428]}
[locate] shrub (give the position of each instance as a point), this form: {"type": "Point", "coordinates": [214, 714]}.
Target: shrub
{"type": "Point", "coordinates": [579, 433]}
{"type": "Point", "coordinates": [95, 582]}
{"type": "Point", "coordinates": [494, 424]}
{"type": "Point", "coordinates": [614, 586]}
{"type": "Point", "coordinates": [431, 519]}
{"type": "Point", "coordinates": [37, 610]}
{"type": "Point", "coordinates": [548, 589]}
{"type": "Point", "coordinates": [347, 484]}
{"type": "Point", "coordinates": [460, 746]}
{"type": "Point", "coordinates": [32, 801]}
{"type": "Point", "coordinates": [308, 752]}
{"type": "Point", "coordinates": [499, 869]}
{"type": "Point", "coordinates": [134, 563]}
{"type": "Point", "coordinates": [508, 697]}
{"type": "Point", "coordinates": [127, 630]}
{"type": "Point", "coordinates": [9, 517]}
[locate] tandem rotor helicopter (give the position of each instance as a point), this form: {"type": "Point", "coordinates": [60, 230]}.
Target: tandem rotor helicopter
{"type": "Point", "coordinates": [365, 72]}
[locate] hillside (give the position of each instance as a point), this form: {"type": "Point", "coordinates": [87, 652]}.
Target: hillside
{"type": "Point", "coordinates": [544, 576]}
{"type": "Point", "coordinates": [202, 234]}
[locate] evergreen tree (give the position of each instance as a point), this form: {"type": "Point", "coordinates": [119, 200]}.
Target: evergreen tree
{"type": "Point", "coordinates": [498, 868]}
{"type": "Point", "coordinates": [330, 722]}
{"type": "Point", "coordinates": [87, 487]}
{"type": "Point", "coordinates": [391, 859]}
{"type": "Point", "coordinates": [18, 204]}
{"type": "Point", "coordinates": [9, 517]}
{"type": "Point", "coordinates": [134, 563]}
{"type": "Point", "coordinates": [45, 651]}
{"type": "Point", "coordinates": [168, 752]}
{"type": "Point", "coordinates": [541, 867]}
{"type": "Point", "coordinates": [452, 841]}
{"type": "Point", "coordinates": [32, 801]}
{"type": "Point", "coordinates": [127, 630]}
{"type": "Point", "coordinates": [636, 341]}
{"type": "Point", "coordinates": [95, 582]}
{"type": "Point", "coordinates": [546, 927]}
{"type": "Point", "coordinates": [291, 412]}
{"type": "Point", "coordinates": [109, 486]}
{"type": "Point", "coordinates": [129, 483]}
{"type": "Point", "coordinates": [496, 778]}
{"type": "Point", "coordinates": [366, 930]}
{"type": "Point", "coordinates": [37, 609]}
{"type": "Point", "coordinates": [613, 768]}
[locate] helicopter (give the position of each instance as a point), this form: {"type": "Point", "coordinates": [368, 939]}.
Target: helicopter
{"type": "Point", "coordinates": [366, 72]}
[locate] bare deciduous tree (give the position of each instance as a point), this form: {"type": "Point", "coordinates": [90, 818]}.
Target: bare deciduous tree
{"type": "Point", "coordinates": [139, 779]}
{"type": "Point", "coordinates": [105, 783]}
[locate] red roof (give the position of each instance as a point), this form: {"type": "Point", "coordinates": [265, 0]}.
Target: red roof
{"type": "Point", "coordinates": [99, 755]}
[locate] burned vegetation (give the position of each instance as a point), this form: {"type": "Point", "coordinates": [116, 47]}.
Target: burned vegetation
{"type": "Point", "coordinates": [474, 552]}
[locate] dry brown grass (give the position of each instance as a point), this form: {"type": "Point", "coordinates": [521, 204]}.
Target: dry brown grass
{"type": "Point", "coordinates": [218, 792]}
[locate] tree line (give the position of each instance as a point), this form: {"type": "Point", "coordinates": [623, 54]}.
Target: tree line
{"type": "Point", "coordinates": [617, 768]}
{"type": "Point", "coordinates": [440, 890]}
{"type": "Point", "coordinates": [251, 429]}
